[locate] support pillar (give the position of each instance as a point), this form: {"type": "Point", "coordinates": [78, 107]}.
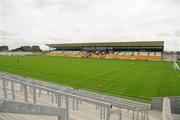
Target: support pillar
{"type": "Point", "coordinates": [101, 113]}
{"type": "Point", "coordinates": [25, 93]}
{"type": "Point", "coordinates": [104, 113]}
{"type": "Point", "coordinates": [21, 87]}
{"type": "Point", "coordinates": [12, 90]}
{"type": "Point", "coordinates": [56, 98]}
{"type": "Point", "coordinates": [108, 113]}
{"type": "Point", "coordinates": [34, 95]}
{"type": "Point", "coordinates": [67, 107]}
{"type": "Point", "coordinates": [142, 113]}
{"type": "Point", "coordinates": [120, 115]}
{"type": "Point", "coordinates": [4, 88]}
{"type": "Point", "coordinates": [133, 115]}
{"type": "Point", "coordinates": [137, 117]}
{"type": "Point", "coordinates": [39, 93]}
{"type": "Point", "coordinates": [73, 103]}
{"type": "Point", "coordinates": [59, 100]}
{"type": "Point", "coordinates": [52, 97]}
{"type": "Point", "coordinates": [6, 82]}
{"type": "Point", "coordinates": [30, 89]}
{"type": "Point", "coordinates": [77, 104]}
{"type": "Point", "coordinates": [47, 92]}
{"type": "Point", "coordinates": [96, 106]}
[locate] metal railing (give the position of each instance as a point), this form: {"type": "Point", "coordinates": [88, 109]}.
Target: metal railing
{"type": "Point", "coordinates": [75, 98]}
{"type": "Point", "coordinates": [103, 103]}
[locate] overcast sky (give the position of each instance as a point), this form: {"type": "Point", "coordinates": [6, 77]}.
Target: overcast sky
{"type": "Point", "coordinates": [28, 22]}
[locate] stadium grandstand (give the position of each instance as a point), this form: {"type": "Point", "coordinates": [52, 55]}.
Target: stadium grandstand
{"type": "Point", "coordinates": [4, 48]}
{"type": "Point", "coordinates": [152, 50]}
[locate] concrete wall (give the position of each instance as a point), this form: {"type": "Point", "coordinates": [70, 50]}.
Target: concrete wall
{"type": "Point", "coordinates": [170, 107]}
{"type": "Point", "coordinates": [175, 117]}
{"type": "Point", "coordinates": [16, 53]}
{"type": "Point", "coordinates": [175, 105]}
{"type": "Point", "coordinates": [157, 103]}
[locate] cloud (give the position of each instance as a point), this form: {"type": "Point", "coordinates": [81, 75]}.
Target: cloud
{"type": "Point", "coordinates": [174, 33]}
{"type": "Point", "coordinates": [61, 21]}
{"type": "Point", "coordinates": [170, 3]}
{"type": "Point", "coordinates": [6, 33]}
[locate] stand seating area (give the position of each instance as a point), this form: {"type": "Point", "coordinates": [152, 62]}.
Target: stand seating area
{"type": "Point", "coordinates": [111, 55]}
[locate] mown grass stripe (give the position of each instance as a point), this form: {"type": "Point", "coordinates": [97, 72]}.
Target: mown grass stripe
{"type": "Point", "coordinates": [123, 78]}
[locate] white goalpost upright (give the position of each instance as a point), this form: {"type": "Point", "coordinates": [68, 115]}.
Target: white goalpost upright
{"type": "Point", "coordinates": [176, 66]}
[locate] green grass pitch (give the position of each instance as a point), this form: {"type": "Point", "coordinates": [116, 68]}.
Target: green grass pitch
{"type": "Point", "coordinates": [124, 78]}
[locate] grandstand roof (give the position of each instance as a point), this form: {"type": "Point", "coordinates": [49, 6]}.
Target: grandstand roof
{"type": "Point", "coordinates": [111, 44]}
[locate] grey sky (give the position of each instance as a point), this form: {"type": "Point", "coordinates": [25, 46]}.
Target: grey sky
{"type": "Point", "coordinates": [27, 22]}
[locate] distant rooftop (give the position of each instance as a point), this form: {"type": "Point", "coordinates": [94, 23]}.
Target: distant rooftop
{"type": "Point", "coordinates": [111, 44]}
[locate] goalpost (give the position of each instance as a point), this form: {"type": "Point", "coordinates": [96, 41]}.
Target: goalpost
{"type": "Point", "coordinates": [176, 66]}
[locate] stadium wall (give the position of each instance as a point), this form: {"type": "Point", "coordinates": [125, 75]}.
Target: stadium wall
{"type": "Point", "coordinates": [17, 53]}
